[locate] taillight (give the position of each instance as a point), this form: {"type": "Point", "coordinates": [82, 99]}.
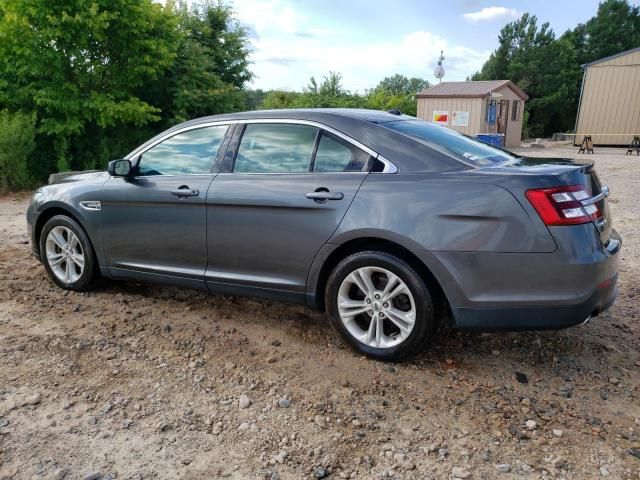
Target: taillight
{"type": "Point", "coordinates": [563, 205]}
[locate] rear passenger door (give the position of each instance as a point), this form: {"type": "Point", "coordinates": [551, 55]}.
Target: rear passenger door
{"type": "Point", "coordinates": [285, 190]}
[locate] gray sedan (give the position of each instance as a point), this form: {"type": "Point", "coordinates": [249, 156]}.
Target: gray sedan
{"type": "Point", "coordinates": [391, 224]}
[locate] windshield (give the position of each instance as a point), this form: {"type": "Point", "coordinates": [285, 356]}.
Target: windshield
{"type": "Point", "coordinates": [466, 149]}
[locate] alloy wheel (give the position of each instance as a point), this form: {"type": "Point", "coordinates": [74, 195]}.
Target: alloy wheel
{"type": "Point", "coordinates": [376, 307]}
{"type": "Point", "coordinates": [64, 254]}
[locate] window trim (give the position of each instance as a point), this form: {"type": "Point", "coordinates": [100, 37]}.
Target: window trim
{"type": "Point", "coordinates": [316, 144]}
{"type": "Point", "coordinates": [321, 133]}
{"type": "Point", "coordinates": [389, 167]}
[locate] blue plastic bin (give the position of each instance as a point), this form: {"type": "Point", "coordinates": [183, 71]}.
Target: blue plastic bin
{"type": "Point", "coordinates": [496, 139]}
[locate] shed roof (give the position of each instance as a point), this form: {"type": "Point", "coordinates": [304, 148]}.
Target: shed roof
{"type": "Point", "coordinates": [611, 57]}
{"type": "Point", "coordinates": [472, 89]}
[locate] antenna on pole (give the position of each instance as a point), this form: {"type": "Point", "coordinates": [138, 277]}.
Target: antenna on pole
{"type": "Point", "coordinates": [439, 70]}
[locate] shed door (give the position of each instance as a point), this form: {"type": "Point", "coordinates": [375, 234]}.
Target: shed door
{"type": "Point", "coordinates": [503, 116]}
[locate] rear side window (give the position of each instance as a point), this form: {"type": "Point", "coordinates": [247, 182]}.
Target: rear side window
{"type": "Point", "coordinates": [187, 153]}
{"type": "Point", "coordinates": [450, 142]}
{"type": "Point", "coordinates": [336, 155]}
{"type": "Point", "coordinates": [275, 148]}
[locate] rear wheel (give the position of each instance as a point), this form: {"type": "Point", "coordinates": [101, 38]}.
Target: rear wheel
{"type": "Point", "coordinates": [67, 254]}
{"type": "Point", "coordinates": [380, 305]}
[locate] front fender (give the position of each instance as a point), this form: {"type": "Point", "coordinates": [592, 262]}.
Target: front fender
{"type": "Point", "coordinates": [66, 199]}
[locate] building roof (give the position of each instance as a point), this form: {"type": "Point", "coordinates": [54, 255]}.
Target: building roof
{"type": "Point", "coordinates": [611, 57]}
{"type": "Point", "coordinates": [470, 89]}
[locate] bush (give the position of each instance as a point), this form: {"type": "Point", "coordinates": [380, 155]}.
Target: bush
{"type": "Point", "coordinates": [526, 133]}
{"type": "Point", "coordinates": [17, 142]}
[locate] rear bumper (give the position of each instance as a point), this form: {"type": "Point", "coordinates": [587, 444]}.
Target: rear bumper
{"type": "Point", "coordinates": [535, 318]}
{"type": "Point", "coordinates": [531, 291]}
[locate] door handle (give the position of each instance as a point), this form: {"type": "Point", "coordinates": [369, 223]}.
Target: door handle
{"type": "Point", "coordinates": [322, 196]}
{"type": "Point", "coordinates": [185, 191]}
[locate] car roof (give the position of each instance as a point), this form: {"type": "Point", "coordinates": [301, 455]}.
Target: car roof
{"type": "Point", "coordinates": [373, 116]}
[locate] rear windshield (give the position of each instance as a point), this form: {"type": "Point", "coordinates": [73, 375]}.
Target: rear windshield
{"type": "Point", "coordinates": [461, 147]}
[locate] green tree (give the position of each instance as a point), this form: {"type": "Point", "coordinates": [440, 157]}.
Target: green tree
{"type": "Point", "coordinates": [548, 68]}
{"type": "Point", "coordinates": [329, 93]}
{"type": "Point", "coordinates": [103, 75]}
{"type": "Point", "coordinates": [396, 93]}
{"type": "Point", "coordinates": [543, 66]}
{"type": "Point", "coordinates": [277, 99]}
{"type": "Point", "coordinates": [254, 98]}
{"type": "Point", "coordinates": [211, 67]}
{"type": "Point", "coordinates": [614, 29]}
{"type": "Point", "coordinates": [401, 85]}
{"type": "Point", "coordinates": [331, 86]}
{"type": "Point", "coordinates": [79, 66]}
{"type": "Point", "coordinates": [17, 142]}
{"type": "Point", "coordinates": [378, 99]}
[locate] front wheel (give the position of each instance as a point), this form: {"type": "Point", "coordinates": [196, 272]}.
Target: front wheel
{"type": "Point", "coordinates": [380, 305]}
{"type": "Point", "coordinates": [67, 254]}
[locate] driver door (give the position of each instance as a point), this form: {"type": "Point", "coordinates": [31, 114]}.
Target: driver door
{"type": "Point", "coordinates": [154, 224]}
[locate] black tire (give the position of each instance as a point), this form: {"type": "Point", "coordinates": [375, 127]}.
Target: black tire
{"type": "Point", "coordinates": [425, 321]}
{"type": "Point", "coordinates": [88, 274]}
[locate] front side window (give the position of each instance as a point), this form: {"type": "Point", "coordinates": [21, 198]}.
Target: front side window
{"type": "Point", "coordinates": [188, 153]}
{"type": "Point", "coordinates": [336, 155]}
{"type": "Point", "coordinates": [450, 142]}
{"type": "Point", "coordinates": [275, 148]}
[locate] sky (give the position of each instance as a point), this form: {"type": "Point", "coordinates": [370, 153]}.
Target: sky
{"type": "Point", "coordinates": [367, 40]}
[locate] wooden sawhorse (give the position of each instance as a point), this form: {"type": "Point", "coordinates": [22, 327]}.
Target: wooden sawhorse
{"type": "Point", "coordinates": [586, 145]}
{"type": "Point", "coordinates": [635, 145]}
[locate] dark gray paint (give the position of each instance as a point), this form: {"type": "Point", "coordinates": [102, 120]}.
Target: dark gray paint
{"type": "Point", "coordinates": [442, 213]}
{"type": "Point", "coordinates": [263, 231]}
{"type": "Point", "coordinates": [169, 235]}
{"type": "Point", "coordinates": [258, 234]}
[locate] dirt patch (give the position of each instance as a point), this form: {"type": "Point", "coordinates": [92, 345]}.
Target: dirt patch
{"type": "Point", "coordinates": [138, 381]}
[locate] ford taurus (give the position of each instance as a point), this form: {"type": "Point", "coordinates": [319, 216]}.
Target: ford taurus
{"type": "Point", "coordinates": [390, 224]}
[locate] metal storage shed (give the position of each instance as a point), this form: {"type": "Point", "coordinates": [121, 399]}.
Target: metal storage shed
{"type": "Point", "coordinates": [610, 99]}
{"type": "Point", "coordinates": [472, 108]}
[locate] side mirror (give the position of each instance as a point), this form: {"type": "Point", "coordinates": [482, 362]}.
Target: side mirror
{"type": "Point", "coordinates": [119, 168]}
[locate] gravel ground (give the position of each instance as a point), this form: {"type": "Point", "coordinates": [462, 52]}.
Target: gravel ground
{"type": "Point", "coordinates": [136, 381]}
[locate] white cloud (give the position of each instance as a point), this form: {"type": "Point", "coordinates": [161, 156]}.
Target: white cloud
{"type": "Point", "coordinates": [491, 13]}
{"type": "Point", "coordinates": [289, 48]}
{"type": "Point", "coordinates": [281, 63]}
{"type": "Point", "coordinates": [265, 15]}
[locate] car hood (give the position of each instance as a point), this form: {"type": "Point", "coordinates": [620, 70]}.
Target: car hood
{"type": "Point", "coordinates": [69, 177]}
